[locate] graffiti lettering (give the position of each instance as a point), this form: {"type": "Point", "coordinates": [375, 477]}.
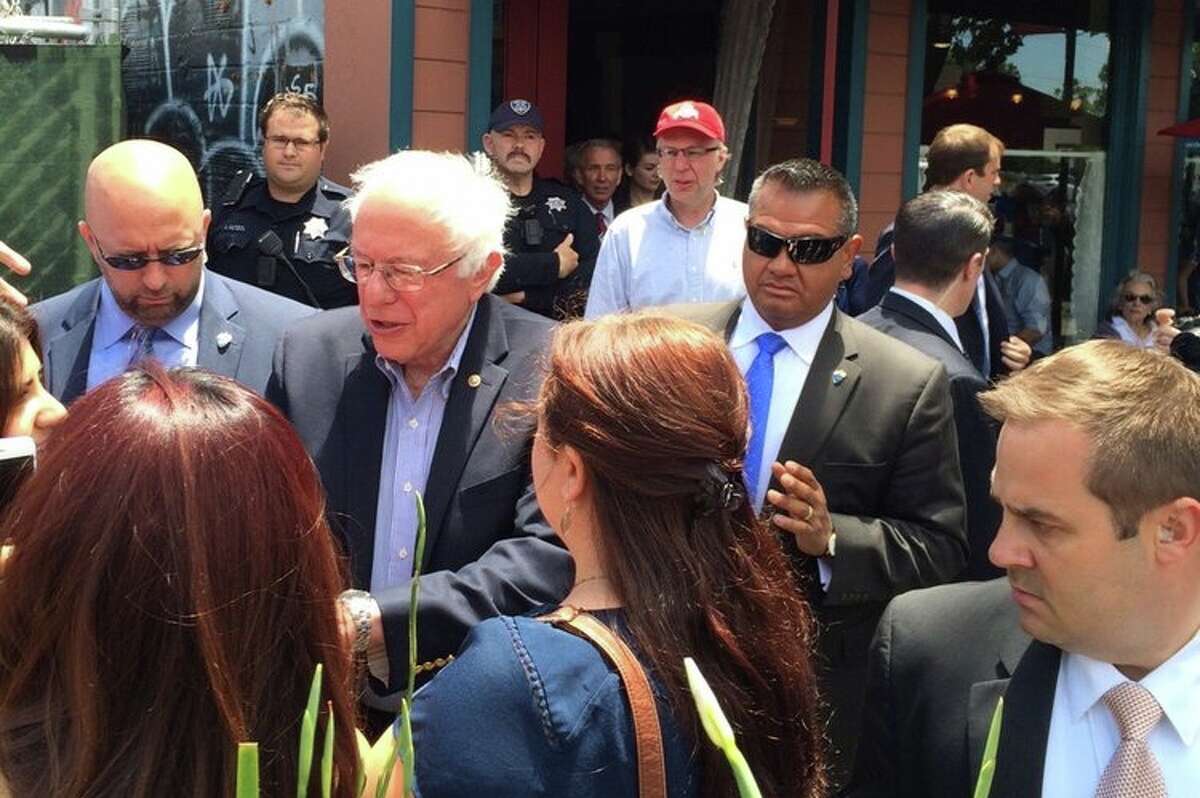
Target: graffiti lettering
{"type": "Point", "coordinates": [249, 51]}
{"type": "Point", "coordinates": [219, 93]}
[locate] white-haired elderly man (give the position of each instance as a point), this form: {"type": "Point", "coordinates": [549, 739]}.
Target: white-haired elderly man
{"type": "Point", "coordinates": [395, 398]}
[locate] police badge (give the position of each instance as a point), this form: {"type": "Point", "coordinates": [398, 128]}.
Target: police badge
{"type": "Point", "coordinates": [556, 204]}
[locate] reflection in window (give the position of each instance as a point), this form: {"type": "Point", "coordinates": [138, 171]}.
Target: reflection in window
{"type": "Point", "coordinates": [1038, 78]}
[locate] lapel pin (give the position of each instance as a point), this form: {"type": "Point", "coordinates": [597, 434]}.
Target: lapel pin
{"type": "Point", "coordinates": [224, 339]}
{"type": "Point", "coordinates": [474, 380]}
{"type": "Point", "coordinates": [838, 376]}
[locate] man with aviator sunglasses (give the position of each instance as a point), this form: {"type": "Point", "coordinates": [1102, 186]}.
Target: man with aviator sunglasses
{"type": "Point", "coordinates": [145, 227]}
{"type": "Point", "coordinates": [852, 447]}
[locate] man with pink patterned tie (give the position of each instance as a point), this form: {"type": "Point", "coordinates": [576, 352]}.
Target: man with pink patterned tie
{"type": "Point", "coordinates": [1098, 472]}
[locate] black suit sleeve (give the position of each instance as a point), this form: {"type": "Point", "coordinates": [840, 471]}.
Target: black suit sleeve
{"type": "Point", "coordinates": [918, 540]}
{"type": "Point", "coordinates": [875, 767]}
{"type": "Point", "coordinates": [516, 573]}
{"type": "Point", "coordinates": [977, 456]}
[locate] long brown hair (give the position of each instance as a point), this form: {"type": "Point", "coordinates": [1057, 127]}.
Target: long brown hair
{"type": "Point", "coordinates": [16, 327]}
{"type": "Point", "coordinates": [657, 410]}
{"type": "Point", "coordinates": [172, 587]}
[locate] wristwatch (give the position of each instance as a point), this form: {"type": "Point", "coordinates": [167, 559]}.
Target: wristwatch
{"type": "Point", "coordinates": [362, 608]}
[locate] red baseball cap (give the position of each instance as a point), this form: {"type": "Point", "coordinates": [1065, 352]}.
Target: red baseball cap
{"type": "Point", "coordinates": [691, 115]}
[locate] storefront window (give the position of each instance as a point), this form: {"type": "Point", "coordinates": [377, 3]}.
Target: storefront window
{"type": "Point", "coordinates": [1037, 77]}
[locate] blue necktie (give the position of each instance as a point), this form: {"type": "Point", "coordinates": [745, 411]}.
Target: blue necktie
{"type": "Point", "coordinates": [760, 379]}
{"type": "Point", "coordinates": [141, 343]}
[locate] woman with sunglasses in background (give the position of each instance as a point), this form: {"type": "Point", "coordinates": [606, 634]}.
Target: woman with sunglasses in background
{"type": "Point", "coordinates": [1131, 312]}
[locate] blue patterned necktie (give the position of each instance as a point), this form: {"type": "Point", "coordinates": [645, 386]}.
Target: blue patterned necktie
{"type": "Point", "coordinates": [760, 379]}
{"type": "Point", "coordinates": [141, 341]}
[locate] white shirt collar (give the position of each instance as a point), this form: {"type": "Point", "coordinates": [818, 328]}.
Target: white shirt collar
{"type": "Point", "coordinates": [113, 324]}
{"type": "Point", "coordinates": [939, 315]}
{"type": "Point", "coordinates": [607, 210]}
{"type": "Point", "coordinates": [802, 340]}
{"type": "Point", "coordinates": [1175, 684]}
{"type": "Point", "coordinates": [665, 207]}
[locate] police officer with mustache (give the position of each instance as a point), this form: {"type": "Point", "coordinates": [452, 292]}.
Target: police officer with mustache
{"type": "Point", "coordinates": [552, 239]}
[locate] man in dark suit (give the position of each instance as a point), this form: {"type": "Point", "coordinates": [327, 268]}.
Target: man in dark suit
{"type": "Point", "coordinates": [145, 226]}
{"type": "Point", "coordinates": [1098, 473]}
{"type": "Point", "coordinates": [940, 245]}
{"type": "Point", "coordinates": [852, 439]}
{"type": "Point", "coordinates": [962, 158]}
{"type": "Point", "coordinates": [398, 397]}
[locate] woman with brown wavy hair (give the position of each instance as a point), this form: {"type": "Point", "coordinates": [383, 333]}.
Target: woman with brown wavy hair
{"type": "Point", "coordinates": [171, 588]}
{"type": "Point", "coordinates": [637, 464]}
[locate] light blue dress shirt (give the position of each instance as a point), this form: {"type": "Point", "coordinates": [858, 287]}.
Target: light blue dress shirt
{"type": "Point", "coordinates": [409, 440]}
{"type": "Point", "coordinates": [113, 346]}
{"type": "Point", "coordinates": [648, 259]}
{"type": "Point", "coordinates": [1027, 302]}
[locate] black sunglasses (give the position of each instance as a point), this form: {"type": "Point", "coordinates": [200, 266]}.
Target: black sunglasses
{"type": "Point", "coordinates": [131, 263]}
{"type": "Point", "coordinates": [802, 249]}
{"type": "Point", "coordinates": [1145, 299]}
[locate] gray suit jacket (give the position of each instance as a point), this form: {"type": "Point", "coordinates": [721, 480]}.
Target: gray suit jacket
{"type": "Point", "coordinates": [941, 659]}
{"type": "Point", "coordinates": [488, 550]}
{"type": "Point", "coordinates": [252, 318]}
{"type": "Point", "coordinates": [875, 424]}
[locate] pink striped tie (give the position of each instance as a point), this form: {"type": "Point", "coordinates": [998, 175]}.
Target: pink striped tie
{"type": "Point", "coordinates": [1133, 772]}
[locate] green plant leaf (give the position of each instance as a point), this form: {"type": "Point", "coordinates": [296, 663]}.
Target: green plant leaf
{"type": "Point", "coordinates": [327, 755]}
{"type": "Point", "coordinates": [987, 771]}
{"type": "Point", "coordinates": [405, 744]}
{"type": "Point", "coordinates": [387, 765]}
{"type": "Point", "coordinates": [247, 770]}
{"type": "Point", "coordinates": [308, 733]}
{"type": "Point", "coordinates": [717, 727]}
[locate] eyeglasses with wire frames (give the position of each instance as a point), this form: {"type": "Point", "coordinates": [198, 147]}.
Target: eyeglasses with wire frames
{"type": "Point", "coordinates": [398, 276]}
{"type": "Point", "coordinates": [801, 249]}
{"type": "Point", "coordinates": [138, 260]}
{"type": "Point", "coordinates": [282, 142]}
{"type": "Point", "coordinates": [689, 153]}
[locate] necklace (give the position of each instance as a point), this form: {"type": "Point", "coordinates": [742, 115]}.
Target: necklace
{"type": "Point", "coordinates": [599, 577]}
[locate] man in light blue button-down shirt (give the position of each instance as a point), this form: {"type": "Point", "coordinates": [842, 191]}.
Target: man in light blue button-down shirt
{"type": "Point", "coordinates": [687, 246]}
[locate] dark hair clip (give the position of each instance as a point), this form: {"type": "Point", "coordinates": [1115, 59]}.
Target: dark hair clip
{"type": "Point", "coordinates": [719, 491]}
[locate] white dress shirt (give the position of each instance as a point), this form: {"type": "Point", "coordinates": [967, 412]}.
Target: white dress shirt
{"type": "Point", "coordinates": [607, 210]}
{"type": "Point", "coordinates": [648, 259]}
{"type": "Point", "coordinates": [939, 315]}
{"type": "Point", "coordinates": [791, 370]}
{"type": "Point", "coordinates": [112, 346]}
{"type": "Point", "coordinates": [1084, 735]}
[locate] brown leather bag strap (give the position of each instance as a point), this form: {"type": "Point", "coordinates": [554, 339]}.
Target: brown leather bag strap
{"type": "Point", "coordinates": [652, 772]}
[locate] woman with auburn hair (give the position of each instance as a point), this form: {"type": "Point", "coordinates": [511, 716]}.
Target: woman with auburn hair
{"type": "Point", "coordinates": [171, 589]}
{"type": "Point", "coordinates": [637, 464]}
{"type": "Point", "coordinates": [26, 407]}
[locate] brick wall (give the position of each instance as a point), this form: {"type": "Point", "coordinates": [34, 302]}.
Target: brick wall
{"type": "Point", "coordinates": [1154, 230]}
{"type": "Point", "coordinates": [441, 48]}
{"type": "Point", "coordinates": [883, 116]}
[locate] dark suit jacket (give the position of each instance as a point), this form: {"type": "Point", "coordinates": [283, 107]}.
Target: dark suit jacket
{"type": "Point", "coordinates": [488, 550]}
{"type": "Point", "coordinates": [883, 274]}
{"type": "Point", "coordinates": [252, 318]}
{"type": "Point", "coordinates": [906, 321]}
{"type": "Point", "coordinates": [940, 660]}
{"type": "Point", "coordinates": [875, 424]}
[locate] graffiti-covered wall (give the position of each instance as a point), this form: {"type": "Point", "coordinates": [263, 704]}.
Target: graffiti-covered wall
{"type": "Point", "coordinates": [197, 72]}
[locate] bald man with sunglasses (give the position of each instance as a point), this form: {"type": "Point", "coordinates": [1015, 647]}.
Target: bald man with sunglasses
{"type": "Point", "coordinates": [853, 446]}
{"type": "Point", "coordinates": [145, 227]}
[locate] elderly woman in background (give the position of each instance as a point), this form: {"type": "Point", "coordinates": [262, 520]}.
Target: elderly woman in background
{"type": "Point", "coordinates": [1131, 311]}
{"type": "Point", "coordinates": [637, 464]}
{"type": "Point", "coordinates": [171, 589]}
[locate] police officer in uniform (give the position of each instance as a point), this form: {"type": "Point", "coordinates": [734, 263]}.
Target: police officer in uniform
{"type": "Point", "coordinates": [552, 239]}
{"type": "Point", "coordinates": [281, 232]}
